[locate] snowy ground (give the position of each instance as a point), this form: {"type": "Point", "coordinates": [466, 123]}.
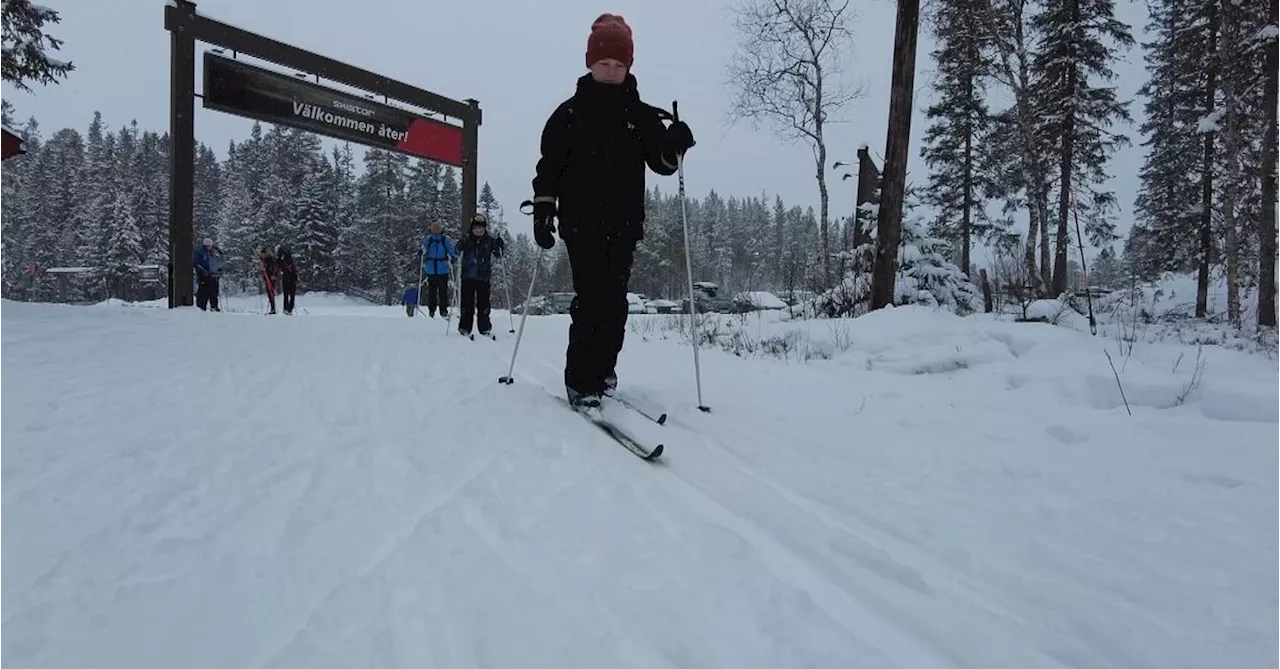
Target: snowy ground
{"type": "Point", "coordinates": [186, 489]}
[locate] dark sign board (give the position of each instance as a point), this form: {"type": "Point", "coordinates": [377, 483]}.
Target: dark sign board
{"type": "Point", "coordinates": [245, 90]}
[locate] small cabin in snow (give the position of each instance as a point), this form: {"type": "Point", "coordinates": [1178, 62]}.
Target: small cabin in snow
{"type": "Point", "coordinates": [10, 143]}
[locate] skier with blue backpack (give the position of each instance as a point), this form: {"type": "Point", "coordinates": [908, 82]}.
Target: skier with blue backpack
{"type": "Point", "coordinates": [438, 254]}
{"type": "Point", "coordinates": [208, 263]}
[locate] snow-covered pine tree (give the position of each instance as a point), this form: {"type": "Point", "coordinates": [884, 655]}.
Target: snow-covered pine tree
{"type": "Point", "coordinates": [1266, 42]}
{"type": "Point", "coordinates": [315, 237]}
{"type": "Point", "coordinates": [41, 229]}
{"type": "Point", "coordinates": [1079, 40]}
{"type": "Point", "coordinates": [520, 257]}
{"type": "Point", "coordinates": [62, 159]}
{"type": "Point", "coordinates": [960, 123]}
{"type": "Point", "coordinates": [1164, 235]}
{"type": "Point", "coordinates": [236, 230]}
{"type": "Point", "coordinates": [648, 271]}
{"type": "Point", "coordinates": [1241, 129]}
{"type": "Point", "coordinates": [1106, 271]}
{"type": "Point", "coordinates": [151, 203]}
{"type": "Point", "coordinates": [386, 219]}
{"type": "Point", "coordinates": [487, 204]}
{"type": "Point", "coordinates": [349, 250]}
{"type": "Point", "coordinates": [925, 274]}
{"type": "Point", "coordinates": [25, 58]}
{"type": "Point", "coordinates": [449, 202]}
{"type": "Point", "coordinates": [121, 245]}
{"type": "Point", "coordinates": [207, 177]}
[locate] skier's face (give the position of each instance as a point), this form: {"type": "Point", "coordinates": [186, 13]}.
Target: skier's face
{"type": "Point", "coordinates": [609, 71]}
{"type": "Point", "coordinates": [478, 230]}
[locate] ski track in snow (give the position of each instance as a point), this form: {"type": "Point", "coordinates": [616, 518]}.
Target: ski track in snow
{"type": "Point", "coordinates": [346, 488]}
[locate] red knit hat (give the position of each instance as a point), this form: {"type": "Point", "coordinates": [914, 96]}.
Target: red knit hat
{"type": "Point", "coordinates": [610, 38]}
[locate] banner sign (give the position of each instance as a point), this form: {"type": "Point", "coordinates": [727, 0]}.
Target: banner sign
{"type": "Point", "coordinates": [245, 90]}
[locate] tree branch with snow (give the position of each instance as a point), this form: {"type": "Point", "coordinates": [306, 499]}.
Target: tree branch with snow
{"type": "Point", "coordinates": [24, 43]}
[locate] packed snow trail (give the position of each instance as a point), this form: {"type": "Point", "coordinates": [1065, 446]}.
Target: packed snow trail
{"type": "Point", "coordinates": [348, 488]}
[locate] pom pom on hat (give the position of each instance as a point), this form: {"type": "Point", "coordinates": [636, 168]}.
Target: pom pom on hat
{"type": "Point", "coordinates": [610, 38]}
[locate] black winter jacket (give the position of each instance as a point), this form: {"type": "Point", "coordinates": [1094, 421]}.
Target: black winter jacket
{"type": "Point", "coordinates": [477, 256]}
{"type": "Point", "coordinates": [595, 148]}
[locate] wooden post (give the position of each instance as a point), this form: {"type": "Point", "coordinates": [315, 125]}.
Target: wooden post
{"type": "Point", "coordinates": [182, 147]}
{"type": "Point", "coordinates": [889, 224]}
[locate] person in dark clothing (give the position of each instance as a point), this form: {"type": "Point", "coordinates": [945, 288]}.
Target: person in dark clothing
{"type": "Point", "coordinates": [595, 147]}
{"type": "Point", "coordinates": [208, 264]}
{"type": "Point", "coordinates": [269, 275]}
{"type": "Point", "coordinates": [438, 254]}
{"type": "Point", "coordinates": [478, 250]}
{"type": "Point", "coordinates": [288, 278]}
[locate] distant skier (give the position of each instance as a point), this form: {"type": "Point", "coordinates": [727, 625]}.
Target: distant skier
{"type": "Point", "coordinates": [595, 147]}
{"type": "Point", "coordinates": [478, 250]}
{"type": "Point", "coordinates": [438, 253]}
{"type": "Point", "coordinates": [409, 298]}
{"type": "Point", "coordinates": [288, 278]}
{"type": "Point", "coordinates": [267, 260]}
{"type": "Point", "coordinates": [208, 264]}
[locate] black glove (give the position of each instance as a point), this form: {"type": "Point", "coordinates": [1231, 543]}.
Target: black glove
{"type": "Point", "coordinates": [679, 137]}
{"type": "Point", "coordinates": [544, 214]}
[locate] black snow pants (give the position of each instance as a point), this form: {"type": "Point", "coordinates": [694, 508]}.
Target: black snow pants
{"type": "Point", "coordinates": [601, 269]}
{"type": "Point", "coordinates": [207, 292]}
{"type": "Point", "coordinates": [289, 289]}
{"type": "Point", "coordinates": [475, 303]}
{"type": "Point", "coordinates": [438, 294]}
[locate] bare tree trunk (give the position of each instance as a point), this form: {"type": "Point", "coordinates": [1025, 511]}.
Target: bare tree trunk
{"type": "Point", "coordinates": [1232, 149]}
{"type": "Point", "coordinates": [1032, 170]}
{"type": "Point", "coordinates": [825, 226]}
{"type": "Point", "coordinates": [1046, 266]}
{"type": "Point", "coordinates": [1206, 173]}
{"type": "Point", "coordinates": [967, 220]}
{"type": "Point", "coordinates": [889, 225]}
{"type": "Point", "coordinates": [1231, 251]}
{"type": "Point", "coordinates": [1267, 229]}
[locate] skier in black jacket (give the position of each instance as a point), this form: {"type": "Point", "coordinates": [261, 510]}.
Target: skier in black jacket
{"type": "Point", "coordinates": [288, 277]}
{"type": "Point", "coordinates": [595, 148]}
{"type": "Point", "coordinates": [478, 250]}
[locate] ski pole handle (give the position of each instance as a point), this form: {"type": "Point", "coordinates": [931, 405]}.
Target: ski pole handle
{"type": "Point", "coordinates": [675, 111]}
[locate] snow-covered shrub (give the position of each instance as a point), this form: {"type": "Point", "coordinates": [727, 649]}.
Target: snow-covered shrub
{"type": "Point", "coordinates": [925, 275]}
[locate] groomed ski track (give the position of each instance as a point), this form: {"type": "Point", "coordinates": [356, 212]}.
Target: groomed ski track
{"type": "Point", "coordinates": [354, 488]}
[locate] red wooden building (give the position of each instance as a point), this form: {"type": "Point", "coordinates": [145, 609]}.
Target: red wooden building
{"type": "Point", "coordinates": [12, 143]}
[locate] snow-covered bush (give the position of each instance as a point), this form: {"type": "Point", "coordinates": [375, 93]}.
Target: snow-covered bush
{"type": "Point", "coordinates": [925, 275]}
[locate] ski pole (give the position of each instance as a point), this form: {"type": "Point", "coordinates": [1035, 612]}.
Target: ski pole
{"type": "Point", "coordinates": [448, 320]}
{"type": "Point", "coordinates": [1084, 268]}
{"type": "Point", "coordinates": [688, 265]}
{"type": "Point", "coordinates": [506, 283]}
{"type": "Point", "coordinates": [422, 259]}
{"type": "Point", "coordinates": [524, 313]}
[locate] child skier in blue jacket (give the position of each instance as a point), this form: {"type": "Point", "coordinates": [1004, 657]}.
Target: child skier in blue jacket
{"type": "Point", "coordinates": [410, 300]}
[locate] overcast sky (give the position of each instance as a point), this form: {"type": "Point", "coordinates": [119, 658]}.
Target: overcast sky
{"type": "Point", "coordinates": [519, 58]}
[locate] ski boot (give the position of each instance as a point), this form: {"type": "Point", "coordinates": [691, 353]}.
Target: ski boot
{"type": "Point", "coordinates": [610, 384]}
{"type": "Point", "coordinates": [582, 402]}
